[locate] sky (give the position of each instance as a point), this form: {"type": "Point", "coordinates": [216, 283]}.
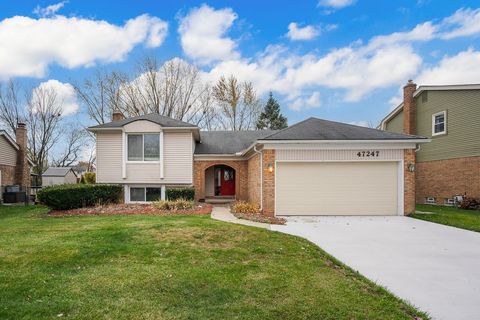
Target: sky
{"type": "Point", "coordinates": [342, 60]}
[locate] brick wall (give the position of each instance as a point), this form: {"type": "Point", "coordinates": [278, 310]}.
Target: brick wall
{"type": "Point", "coordinates": [409, 108]}
{"type": "Point", "coordinates": [268, 182]}
{"type": "Point", "coordinates": [254, 179]}
{"type": "Point", "coordinates": [444, 179]}
{"type": "Point", "coordinates": [409, 183]}
{"type": "Point", "coordinates": [241, 176]}
{"type": "Point", "coordinates": [22, 171]}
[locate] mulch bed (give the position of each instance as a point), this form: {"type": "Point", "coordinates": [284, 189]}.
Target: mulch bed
{"type": "Point", "coordinates": [259, 218]}
{"type": "Point", "coordinates": [114, 209]}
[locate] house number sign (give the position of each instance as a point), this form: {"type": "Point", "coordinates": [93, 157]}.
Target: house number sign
{"type": "Point", "coordinates": [368, 154]}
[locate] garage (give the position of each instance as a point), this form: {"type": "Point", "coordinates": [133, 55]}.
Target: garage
{"type": "Point", "coordinates": [337, 188]}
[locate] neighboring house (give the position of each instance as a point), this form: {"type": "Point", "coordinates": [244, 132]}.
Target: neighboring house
{"type": "Point", "coordinates": [14, 163]}
{"type": "Point", "coordinates": [59, 175]}
{"type": "Point", "coordinates": [450, 115]}
{"type": "Point", "coordinates": [314, 167]}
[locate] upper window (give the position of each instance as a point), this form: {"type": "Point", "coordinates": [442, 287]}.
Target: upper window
{"type": "Point", "coordinates": [439, 123]}
{"type": "Point", "coordinates": [143, 147]}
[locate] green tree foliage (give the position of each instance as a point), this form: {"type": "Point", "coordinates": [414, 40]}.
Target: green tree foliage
{"type": "Point", "coordinates": [271, 117]}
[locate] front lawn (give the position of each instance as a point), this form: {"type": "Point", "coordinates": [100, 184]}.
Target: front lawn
{"type": "Point", "coordinates": [174, 267]}
{"type": "Point", "coordinates": [465, 219]}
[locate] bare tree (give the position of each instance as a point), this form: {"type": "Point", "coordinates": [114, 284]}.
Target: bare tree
{"type": "Point", "coordinates": [43, 121]}
{"type": "Point", "coordinates": [102, 94]}
{"type": "Point", "coordinates": [10, 105]}
{"type": "Point", "coordinates": [238, 103]}
{"type": "Point", "coordinates": [74, 143]}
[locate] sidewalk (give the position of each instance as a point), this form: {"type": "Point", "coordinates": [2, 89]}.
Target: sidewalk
{"type": "Point", "coordinates": [222, 213]}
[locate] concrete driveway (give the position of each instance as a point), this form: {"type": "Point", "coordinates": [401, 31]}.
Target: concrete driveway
{"type": "Point", "coordinates": [434, 267]}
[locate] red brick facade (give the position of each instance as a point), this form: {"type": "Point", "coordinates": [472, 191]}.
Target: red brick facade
{"type": "Point", "coordinates": [409, 182]}
{"type": "Point", "coordinates": [241, 176]}
{"type": "Point", "coordinates": [254, 180]}
{"type": "Point", "coordinates": [443, 179]}
{"type": "Point", "coordinates": [22, 170]}
{"type": "Point", "coordinates": [409, 108]}
{"type": "Point", "coordinates": [268, 182]}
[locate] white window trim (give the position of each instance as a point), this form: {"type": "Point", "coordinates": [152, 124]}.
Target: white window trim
{"type": "Point", "coordinates": [160, 145]}
{"type": "Point", "coordinates": [444, 113]}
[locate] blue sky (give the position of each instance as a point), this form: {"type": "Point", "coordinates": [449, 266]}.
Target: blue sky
{"type": "Point", "coordinates": [342, 60]}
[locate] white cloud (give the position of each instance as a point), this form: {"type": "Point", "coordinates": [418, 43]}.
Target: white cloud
{"type": "Point", "coordinates": [49, 10]}
{"type": "Point", "coordinates": [295, 32]}
{"type": "Point", "coordinates": [462, 68]}
{"type": "Point", "coordinates": [30, 45]}
{"type": "Point", "coordinates": [337, 4]}
{"type": "Point", "coordinates": [464, 22]}
{"type": "Point", "coordinates": [310, 102]}
{"type": "Point", "coordinates": [360, 123]}
{"type": "Point", "coordinates": [202, 34]}
{"type": "Point", "coordinates": [65, 95]}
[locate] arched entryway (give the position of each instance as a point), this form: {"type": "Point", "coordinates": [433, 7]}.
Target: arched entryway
{"type": "Point", "coordinates": [220, 182]}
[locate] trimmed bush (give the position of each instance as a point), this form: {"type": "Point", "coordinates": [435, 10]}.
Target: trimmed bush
{"type": "Point", "coordinates": [88, 178]}
{"type": "Point", "coordinates": [244, 207]}
{"type": "Point", "coordinates": [180, 193]}
{"type": "Point", "coordinates": [73, 196]}
{"type": "Point", "coordinates": [178, 204]}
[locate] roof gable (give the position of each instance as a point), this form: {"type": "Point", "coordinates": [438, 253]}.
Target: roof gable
{"type": "Point", "coordinates": [163, 121]}
{"type": "Point", "coordinates": [7, 137]}
{"type": "Point", "coordinates": [57, 171]}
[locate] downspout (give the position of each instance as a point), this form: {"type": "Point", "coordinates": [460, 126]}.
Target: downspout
{"type": "Point", "coordinates": [261, 175]}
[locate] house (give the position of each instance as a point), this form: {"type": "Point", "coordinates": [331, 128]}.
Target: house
{"type": "Point", "coordinates": [14, 163]}
{"type": "Point", "coordinates": [315, 167]}
{"type": "Point", "coordinates": [449, 115]}
{"type": "Point", "coordinates": [59, 175]}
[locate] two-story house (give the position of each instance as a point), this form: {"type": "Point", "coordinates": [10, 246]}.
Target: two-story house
{"type": "Point", "coordinates": [14, 164]}
{"type": "Point", "coordinates": [315, 167]}
{"type": "Point", "coordinates": [450, 116]}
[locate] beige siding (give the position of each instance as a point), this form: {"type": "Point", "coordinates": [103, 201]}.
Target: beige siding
{"type": "Point", "coordinates": [337, 188]}
{"type": "Point", "coordinates": [396, 123]}
{"type": "Point", "coordinates": [142, 126]}
{"type": "Point", "coordinates": [178, 157]}
{"type": "Point", "coordinates": [8, 154]}
{"type": "Point", "coordinates": [69, 178]}
{"type": "Point", "coordinates": [109, 157]}
{"type": "Point", "coordinates": [463, 129]}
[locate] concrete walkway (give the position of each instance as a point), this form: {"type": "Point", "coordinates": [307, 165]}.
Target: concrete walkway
{"type": "Point", "coordinates": [222, 213]}
{"type": "Point", "coordinates": [434, 267]}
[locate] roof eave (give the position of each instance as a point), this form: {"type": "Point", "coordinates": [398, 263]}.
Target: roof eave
{"type": "Point", "coordinates": [411, 140]}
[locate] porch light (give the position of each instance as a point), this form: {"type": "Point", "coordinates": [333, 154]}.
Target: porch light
{"type": "Point", "coordinates": [270, 167]}
{"type": "Point", "coordinates": [411, 167]}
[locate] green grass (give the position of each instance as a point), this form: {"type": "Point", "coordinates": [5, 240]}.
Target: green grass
{"type": "Point", "coordinates": [450, 216]}
{"type": "Point", "coordinates": [152, 267]}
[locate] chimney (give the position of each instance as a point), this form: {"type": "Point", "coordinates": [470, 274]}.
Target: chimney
{"type": "Point", "coordinates": [409, 108]}
{"type": "Point", "coordinates": [117, 115]}
{"type": "Point", "coordinates": [22, 170]}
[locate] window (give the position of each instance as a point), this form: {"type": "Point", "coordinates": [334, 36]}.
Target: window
{"type": "Point", "coordinates": [143, 147]}
{"type": "Point", "coordinates": [145, 194]}
{"type": "Point", "coordinates": [430, 200]}
{"type": "Point", "coordinates": [439, 123]}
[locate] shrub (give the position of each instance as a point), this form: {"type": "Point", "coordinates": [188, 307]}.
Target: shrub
{"type": "Point", "coordinates": [469, 203]}
{"type": "Point", "coordinates": [73, 196]}
{"type": "Point", "coordinates": [174, 205]}
{"type": "Point", "coordinates": [180, 193]}
{"type": "Point", "coordinates": [88, 178]}
{"type": "Point", "coordinates": [245, 207]}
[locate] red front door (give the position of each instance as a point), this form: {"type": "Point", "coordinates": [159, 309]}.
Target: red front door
{"type": "Point", "coordinates": [226, 178]}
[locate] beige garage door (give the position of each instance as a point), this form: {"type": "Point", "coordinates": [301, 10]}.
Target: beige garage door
{"type": "Point", "coordinates": [337, 188]}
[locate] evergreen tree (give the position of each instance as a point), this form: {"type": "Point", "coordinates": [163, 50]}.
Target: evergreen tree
{"type": "Point", "coordinates": [271, 118]}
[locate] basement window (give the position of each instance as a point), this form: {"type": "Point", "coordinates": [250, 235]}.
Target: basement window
{"type": "Point", "coordinates": [430, 200]}
{"type": "Point", "coordinates": [450, 202]}
{"type": "Point", "coordinates": [145, 194]}
{"type": "Point", "coordinates": [439, 123]}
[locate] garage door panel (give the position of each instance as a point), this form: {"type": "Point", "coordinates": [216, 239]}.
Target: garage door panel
{"type": "Point", "coordinates": [347, 188]}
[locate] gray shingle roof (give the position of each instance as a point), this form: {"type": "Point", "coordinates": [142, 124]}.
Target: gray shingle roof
{"type": "Point", "coordinates": [153, 117]}
{"type": "Point", "coordinates": [228, 142]}
{"type": "Point", "coordinates": [56, 171]}
{"type": "Point", "coordinates": [318, 129]}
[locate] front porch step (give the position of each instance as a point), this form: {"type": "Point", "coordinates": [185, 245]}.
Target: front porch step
{"type": "Point", "coordinates": [219, 200]}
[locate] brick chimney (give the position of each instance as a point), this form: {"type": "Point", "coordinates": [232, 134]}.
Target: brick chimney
{"type": "Point", "coordinates": [22, 169]}
{"type": "Point", "coordinates": [117, 115]}
{"type": "Point", "coordinates": [409, 108]}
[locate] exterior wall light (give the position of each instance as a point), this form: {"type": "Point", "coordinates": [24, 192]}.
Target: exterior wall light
{"type": "Point", "coordinates": [411, 167]}
{"type": "Point", "coordinates": [270, 167]}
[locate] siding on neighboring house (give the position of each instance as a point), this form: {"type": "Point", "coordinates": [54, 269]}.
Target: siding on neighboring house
{"type": "Point", "coordinates": [463, 119]}
{"type": "Point", "coordinates": [396, 123]}
{"type": "Point", "coordinates": [109, 157]}
{"type": "Point", "coordinates": [177, 155]}
{"type": "Point", "coordinates": [69, 178]}
{"type": "Point", "coordinates": [8, 154]}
